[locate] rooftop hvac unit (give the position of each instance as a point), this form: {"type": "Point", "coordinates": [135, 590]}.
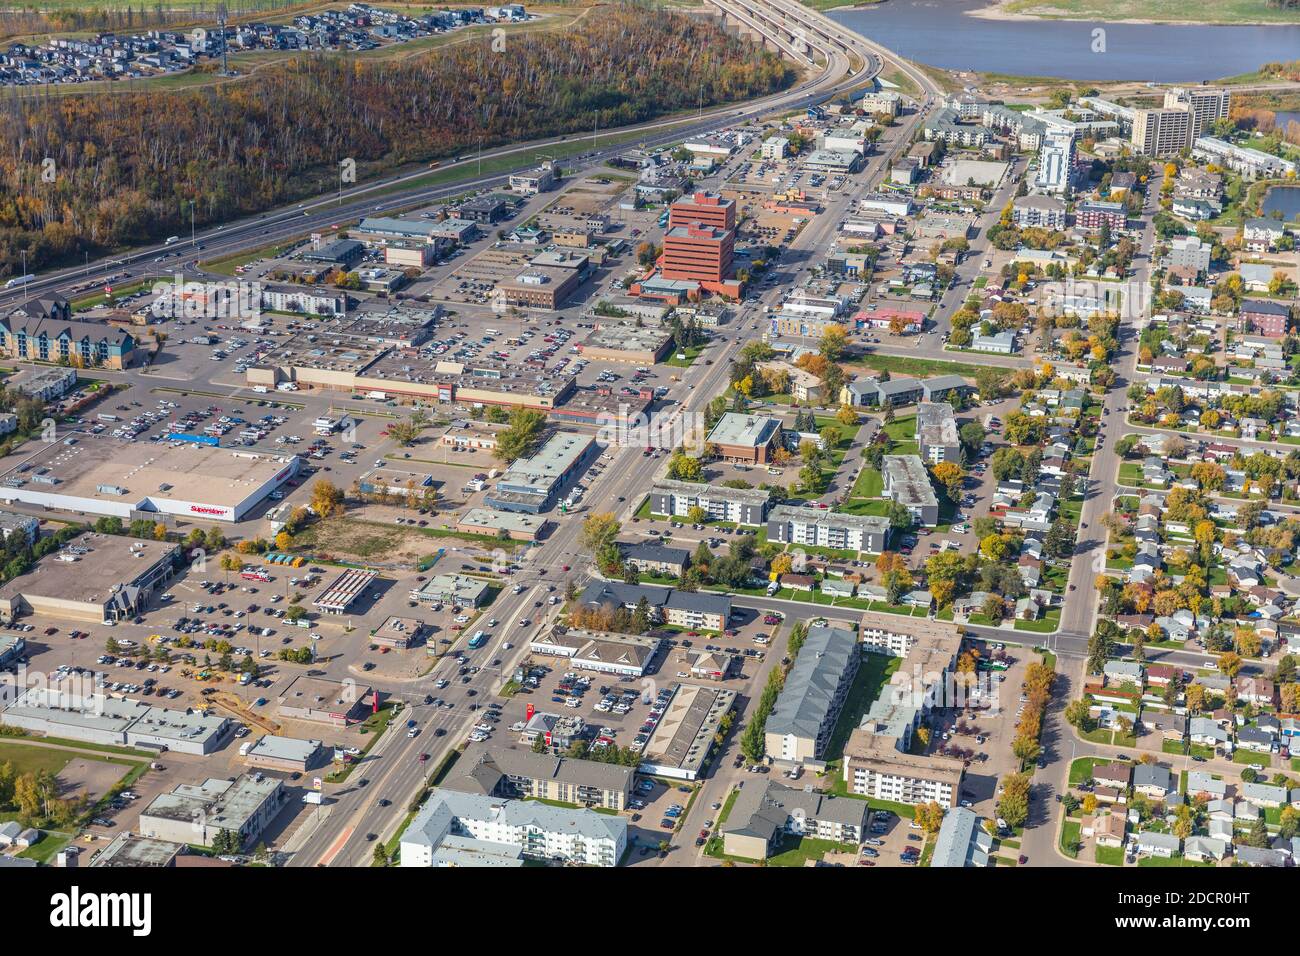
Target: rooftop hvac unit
{"type": "Point", "coordinates": [110, 490]}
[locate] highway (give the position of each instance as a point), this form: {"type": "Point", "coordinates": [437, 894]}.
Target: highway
{"type": "Point", "coordinates": [388, 194]}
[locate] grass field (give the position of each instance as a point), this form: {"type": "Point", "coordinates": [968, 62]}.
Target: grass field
{"type": "Point", "coordinates": [922, 368]}
{"type": "Point", "coordinates": [28, 758]}
{"type": "Point", "coordinates": [1170, 11]}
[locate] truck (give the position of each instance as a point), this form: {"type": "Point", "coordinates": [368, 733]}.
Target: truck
{"type": "Point", "coordinates": [260, 389]}
{"type": "Point", "coordinates": [171, 240]}
{"type": "Point", "coordinates": [19, 280]}
{"type": "Point", "coordinates": [287, 387]}
{"type": "Point", "coordinates": [377, 396]}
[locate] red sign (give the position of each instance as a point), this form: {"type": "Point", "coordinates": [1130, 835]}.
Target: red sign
{"type": "Point", "coordinates": [207, 510]}
{"type": "Point", "coordinates": [528, 712]}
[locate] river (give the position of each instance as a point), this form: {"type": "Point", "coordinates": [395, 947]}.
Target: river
{"type": "Point", "coordinates": [936, 32]}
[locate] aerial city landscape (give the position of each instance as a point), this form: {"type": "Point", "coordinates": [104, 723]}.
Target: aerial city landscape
{"type": "Point", "coordinates": [650, 433]}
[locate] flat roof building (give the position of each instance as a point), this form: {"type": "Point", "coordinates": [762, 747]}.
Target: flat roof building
{"type": "Point", "coordinates": [747, 438]}
{"type": "Point", "coordinates": [102, 476]}
{"type": "Point", "coordinates": [674, 499]}
{"type": "Point", "coordinates": [456, 828]}
{"type": "Point", "coordinates": [517, 525]}
{"type": "Point", "coordinates": [271, 752]}
{"type": "Point", "coordinates": [350, 584]}
{"type": "Point", "coordinates": [936, 432]}
{"type": "Point", "coordinates": [326, 701]}
{"type": "Point", "coordinates": [196, 813]}
{"type": "Point", "coordinates": [908, 483]}
{"type": "Point", "coordinates": [626, 342]}
{"type": "Point", "coordinates": [115, 721]}
{"type": "Point", "coordinates": [95, 578]}
{"type": "Point", "coordinates": [452, 589]}
{"type": "Point", "coordinates": [398, 633]}
{"type": "Point", "coordinates": [627, 655]}
{"type": "Point", "coordinates": [875, 768]}
{"type": "Point", "coordinates": [133, 850]}
{"type": "Point", "coordinates": [532, 485]}
{"type": "Point", "coordinates": [790, 524]}
{"type": "Point", "coordinates": [682, 740]}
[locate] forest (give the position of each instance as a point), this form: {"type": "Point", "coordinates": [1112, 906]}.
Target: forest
{"type": "Point", "coordinates": [127, 166]}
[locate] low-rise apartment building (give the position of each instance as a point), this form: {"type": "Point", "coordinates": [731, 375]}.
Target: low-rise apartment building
{"type": "Point", "coordinates": [496, 771]}
{"type": "Point", "coordinates": [766, 812]}
{"type": "Point", "coordinates": [908, 483]}
{"type": "Point", "coordinates": [789, 524]}
{"type": "Point", "coordinates": [675, 499]}
{"type": "Point", "coordinates": [936, 432]}
{"type": "Point", "coordinates": [474, 830]}
{"type": "Point", "coordinates": [800, 725]}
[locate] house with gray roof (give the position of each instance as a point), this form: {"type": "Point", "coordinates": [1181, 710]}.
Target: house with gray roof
{"type": "Point", "coordinates": [1264, 794]}
{"type": "Point", "coordinates": [1158, 844]}
{"type": "Point", "coordinates": [1201, 849]}
{"type": "Point", "coordinates": [1259, 856]}
{"type": "Point", "coordinates": [1123, 672]}
{"type": "Point", "coordinates": [1201, 781]}
{"type": "Point", "coordinates": [1152, 780]}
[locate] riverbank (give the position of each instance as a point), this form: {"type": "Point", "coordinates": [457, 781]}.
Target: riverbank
{"type": "Point", "coordinates": [1227, 12]}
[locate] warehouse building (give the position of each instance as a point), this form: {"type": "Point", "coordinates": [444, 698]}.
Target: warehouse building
{"type": "Point", "coordinates": [95, 578]}
{"type": "Point", "coordinates": [102, 476]}
{"type": "Point", "coordinates": [196, 813]}
{"type": "Point", "coordinates": [289, 754]}
{"type": "Point", "coordinates": [533, 484]}
{"type": "Point", "coordinates": [115, 721]}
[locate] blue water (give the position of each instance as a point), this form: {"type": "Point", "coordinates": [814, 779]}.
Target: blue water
{"type": "Point", "coordinates": [937, 32]}
{"type": "Point", "coordinates": [1285, 199]}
